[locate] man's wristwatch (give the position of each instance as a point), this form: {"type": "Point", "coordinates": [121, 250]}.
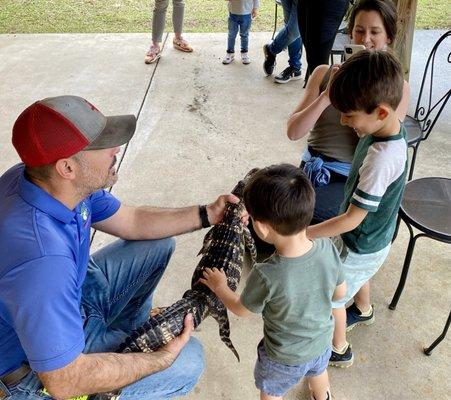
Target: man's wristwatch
{"type": "Point", "coordinates": [204, 216]}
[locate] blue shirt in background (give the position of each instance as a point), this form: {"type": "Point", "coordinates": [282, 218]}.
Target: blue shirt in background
{"type": "Point", "coordinates": [44, 252]}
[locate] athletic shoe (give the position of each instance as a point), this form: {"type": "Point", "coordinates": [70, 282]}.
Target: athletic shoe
{"type": "Point", "coordinates": [288, 74]}
{"type": "Point", "coordinates": [270, 61]}
{"type": "Point", "coordinates": [354, 317]}
{"type": "Point", "coordinates": [341, 359]}
{"type": "Point", "coordinates": [229, 57]}
{"type": "Point", "coordinates": [245, 58]}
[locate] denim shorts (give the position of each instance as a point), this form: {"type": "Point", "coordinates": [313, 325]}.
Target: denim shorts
{"type": "Point", "coordinates": [358, 268]}
{"type": "Point", "coordinates": [275, 378]}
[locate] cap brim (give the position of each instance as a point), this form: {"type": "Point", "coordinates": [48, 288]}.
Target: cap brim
{"type": "Point", "coordinates": [119, 129]}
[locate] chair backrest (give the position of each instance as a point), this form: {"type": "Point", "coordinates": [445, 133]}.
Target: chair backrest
{"type": "Point", "coordinates": [428, 108]}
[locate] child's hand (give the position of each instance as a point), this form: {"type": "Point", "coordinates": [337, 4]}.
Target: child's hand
{"type": "Point", "coordinates": [254, 13]}
{"type": "Point", "coordinates": [214, 278]}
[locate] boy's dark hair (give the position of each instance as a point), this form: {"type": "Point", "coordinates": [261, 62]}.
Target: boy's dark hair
{"type": "Point", "coordinates": [282, 196]}
{"type": "Point", "coordinates": [385, 8]}
{"type": "Point", "coordinates": [366, 80]}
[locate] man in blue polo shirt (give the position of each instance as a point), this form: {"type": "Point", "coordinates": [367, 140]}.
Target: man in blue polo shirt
{"type": "Point", "coordinates": [62, 313]}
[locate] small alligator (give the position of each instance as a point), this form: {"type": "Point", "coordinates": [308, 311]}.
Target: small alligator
{"type": "Point", "coordinates": [224, 247]}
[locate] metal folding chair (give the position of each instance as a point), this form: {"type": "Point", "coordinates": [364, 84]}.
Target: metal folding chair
{"type": "Point", "coordinates": [426, 206]}
{"type": "Point", "coordinates": [428, 108]}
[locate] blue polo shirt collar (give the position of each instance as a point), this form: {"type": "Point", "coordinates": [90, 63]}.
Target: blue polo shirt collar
{"type": "Point", "coordinates": [40, 199]}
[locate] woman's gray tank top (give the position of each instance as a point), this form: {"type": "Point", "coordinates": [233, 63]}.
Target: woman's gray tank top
{"type": "Point", "coordinates": [328, 136]}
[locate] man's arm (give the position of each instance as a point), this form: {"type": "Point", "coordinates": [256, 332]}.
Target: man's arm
{"type": "Point", "coordinates": [145, 222]}
{"type": "Point", "coordinates": [105, 372]}
{"type": "Point", "coordinates": [216, 280]}
{"type": "Point", "coordinates": [346, 222]}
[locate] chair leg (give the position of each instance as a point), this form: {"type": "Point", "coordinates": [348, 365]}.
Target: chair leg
{"type": "Point", "coordinates": [428, 350]}
{"type": "Point", "coordinates": [412, 163]}
{"type": "Point", "coordinates": [275, 22]}
{"type": "Point", "coordinates": [405, 268]}
{"type": "Point", "coordinates": [395, 234]}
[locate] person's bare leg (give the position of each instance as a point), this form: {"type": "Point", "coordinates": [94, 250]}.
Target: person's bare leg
{"type": "Point", "coordinates": [265, 396]}
{"type": "Point", "coordinates": [339, 338]}
{"type": "Point", "coordinates": [319, 386]}
{"type": "Point", "coordinates": [362, 298]}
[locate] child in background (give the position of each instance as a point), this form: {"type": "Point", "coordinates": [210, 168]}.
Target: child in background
{"type": "Point", "coordinates": [293, 289]}
{"type": "Point", "coordinates": [241, 13]}
{"type": "Point", "coordinates": [375, 185]}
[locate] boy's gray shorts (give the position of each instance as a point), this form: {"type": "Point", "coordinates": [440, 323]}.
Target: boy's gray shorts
{"type": "Point", "coordinates": [358, 268]}
{"type": "Point", "coordinates": [275, 379]}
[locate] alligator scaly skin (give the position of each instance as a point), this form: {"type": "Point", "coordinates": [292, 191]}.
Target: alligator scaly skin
{"type": "Point", "coordinates": [223, 248]}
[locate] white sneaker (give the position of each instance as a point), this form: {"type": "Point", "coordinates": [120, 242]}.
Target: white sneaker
{"type": "Point", "coordinates": [245, 58]}
{"type": "Point", "coordinates": [229, 57]}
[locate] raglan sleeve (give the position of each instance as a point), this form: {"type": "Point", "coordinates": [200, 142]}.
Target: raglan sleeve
{"type": "Point", "coordinates": [382, 165]}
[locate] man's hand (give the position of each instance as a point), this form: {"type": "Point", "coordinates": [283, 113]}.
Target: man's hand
{"type": "Point", "coordinates": [254, 13]}
{"type": "Point", "coordinates": [171, 350]}
{"type": "Point", "coordinates": [216, 210]}
{"type": "Point", "coordinates": [215, 279]}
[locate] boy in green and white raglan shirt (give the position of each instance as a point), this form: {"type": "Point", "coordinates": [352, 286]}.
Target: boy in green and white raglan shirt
{"type": "Point", "coordinates": [367, 90]}
{"type": "Point", "coordinates": [293, 289]}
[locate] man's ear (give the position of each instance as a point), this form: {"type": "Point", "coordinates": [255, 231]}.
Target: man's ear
{"type": "Point", "coordinates": [382, 111]}
{"type": "Point", "coordinates": [66, 168]}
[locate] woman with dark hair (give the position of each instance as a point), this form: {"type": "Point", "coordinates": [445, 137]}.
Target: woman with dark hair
{"type": "Point", "coordinates": [331, 146]}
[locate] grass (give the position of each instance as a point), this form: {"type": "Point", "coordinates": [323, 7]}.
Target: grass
{"type": "Point", "coordinates": [55, 16]}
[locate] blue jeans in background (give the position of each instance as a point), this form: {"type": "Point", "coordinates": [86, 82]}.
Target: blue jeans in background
{"type": "Point", "coordinates": [117, 298]}
{"type": "Point", "coordinates": [243, 24]}
{"type": "Point", "coordinates": [289, 35]}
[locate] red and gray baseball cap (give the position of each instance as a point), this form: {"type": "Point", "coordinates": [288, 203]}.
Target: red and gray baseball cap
{"type": "Point", "coordinates": [59, 127]}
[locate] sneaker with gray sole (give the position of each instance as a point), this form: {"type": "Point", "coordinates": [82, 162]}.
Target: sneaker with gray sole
{"type": "Point", "coordinates": [344, 360]}
{"type": "Point", "coordinates": [354, 317]}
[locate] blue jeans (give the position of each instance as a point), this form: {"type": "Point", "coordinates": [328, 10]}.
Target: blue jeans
{"type": "Point", "coordinates": [117, 298]}
{"type": "Point", "coordinates": [289, 35]}
{"type": "Point", "coordinates": [243, 24]}
{"type": "Point", "coordinates": [328, 198]}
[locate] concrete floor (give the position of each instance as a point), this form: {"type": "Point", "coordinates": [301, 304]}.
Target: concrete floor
{"type": "Point", "coordinates": [201, 127]}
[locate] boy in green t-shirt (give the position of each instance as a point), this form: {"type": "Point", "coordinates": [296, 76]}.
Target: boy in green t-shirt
{"type": "Point", "coordinates": [367, 90]}
{"type": "Point", "coordinates": [293, 289]}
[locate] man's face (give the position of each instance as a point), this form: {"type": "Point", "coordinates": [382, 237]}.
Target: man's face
{"type": "Point", "coordinates": [363, 124]}
{"type": "Point", "coordinates": [96, 170]}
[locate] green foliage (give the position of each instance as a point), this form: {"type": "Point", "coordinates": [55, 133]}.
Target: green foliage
{"type": "Point", "coordinates": [52, 16]}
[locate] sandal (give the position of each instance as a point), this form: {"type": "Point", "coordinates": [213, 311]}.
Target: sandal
{"type": "Point", "coordinates": [182, 45]}
{"type": "Point", "coordinates": [152, 55]}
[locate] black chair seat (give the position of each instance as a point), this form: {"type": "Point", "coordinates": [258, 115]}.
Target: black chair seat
{"type": "Point", "coordinates": [414, 133]}
{"type": "Point", "coordinates": [426, 205]}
